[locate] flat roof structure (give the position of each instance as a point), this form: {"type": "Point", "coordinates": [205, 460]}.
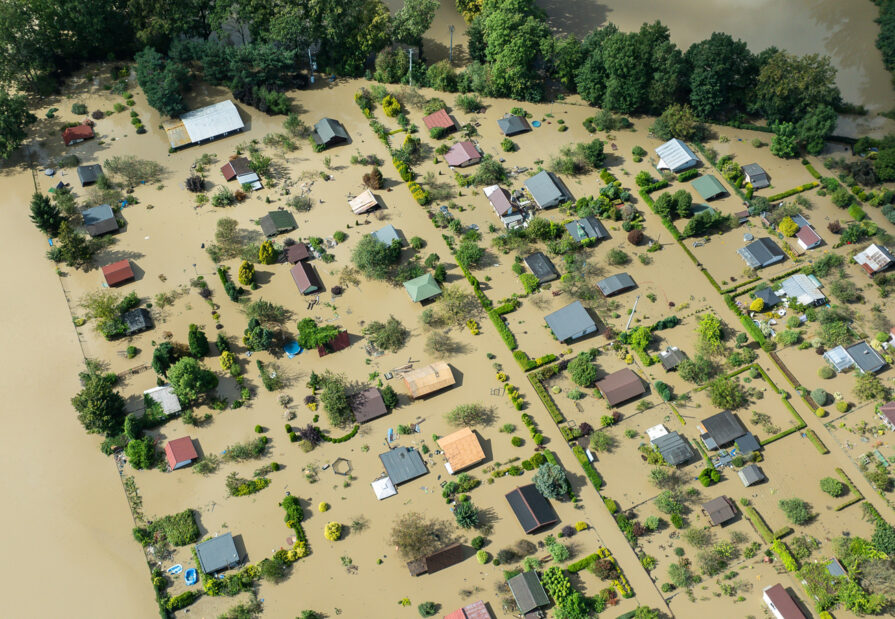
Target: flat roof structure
{"type": "Point", "coordinates": [513, 125]}
{"type": "Point", "coordinates": [781, 604]}
{"type": "Point", "coordinates": [439, 119]}
{"type": "Point", "coordinates": [616, 284]}
{"type": "Point", "coordinates": [217, 554]}
{"type": "Point", "coordinates": [587, 228]}
{"type": "Point", "coordinates": [180, 452]}
{"type": "Point", "coordinates": [676, 156]}
{"type": "Point", "coordinates": [546, 189]}
{"type": "Point", "coordinates": [305, 278]}
{"type": "Point", "coordinates": [89, 174]}
{"type": "Point", "coordinates": [166, 398]}
{"type": "Point", "coordinates": [541, 267]}
{"type": "Point", "coordinates": [528, 591]}
{"type": "Point", "coordinates": [99, 220]}
{"type": "Point", "coordinates": [403, 464]}
{"type": "Point", "coordinates": [422, 288]}
{"type": "Point", "coordinates": [571, 322]}
{"type": "Point", "coordinates": [118, 272]}
{"type": "Point", "coordinates": [328, 132]}
{"type": "Point", "coordinates": [750, 475]}
{"type": "Point", "coordinates": [429, 379]}
{"type": "Point", "coordinates": [368, 405]}
{"type": "Point", "coordinates": [364, 202]}
{"type": "Point", "coordinates": [463, 154]}
{"type": "Point", "coordinates": [761, 253]}
{"type": "Point", "coordinates": [621, 386]}
{"type": "Point", "coordinates": [675, 449]}
{"type": "Point", "coordinates": [708, 187]}
{"type": "Point", "coordinates": [719, 510]}
{"type": "Point", "coordinates": [462, 450]}
{"type": "Point", "coordinates": [722, 428]}
{"type": "Point", "coordinates": [532, 510]}
{"type": "Point", "coordinates": [874, 259]}
{"type": "Point", "coordinates": [204, 125]}
{"type": "Point", "coordinates": [277, 222]}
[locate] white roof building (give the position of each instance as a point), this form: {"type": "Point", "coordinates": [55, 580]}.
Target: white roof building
{"type": "Point", "coordinates": [656, 431]}
{"type": "Point", "coordinates": [676, 156]}
{"type": "Point", "coordinates": [384, 488]}
{"type": "Point", "coordinates": [875, 259]}
{"type": "Point", "coordinates": [205, 124]}
{"type": "Point", "coordinates": [165, 397]}
{"type": "Point", "coordinates": [802, 289]}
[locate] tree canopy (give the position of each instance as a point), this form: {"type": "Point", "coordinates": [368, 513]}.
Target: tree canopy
{"type": "Point", "coordinates": [190, 380]}
{"type": "Point", "coordinates": [100, 408]}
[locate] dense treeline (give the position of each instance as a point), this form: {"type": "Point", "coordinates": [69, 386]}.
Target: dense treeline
{"type": "Point", "coordinates": [885, 41]}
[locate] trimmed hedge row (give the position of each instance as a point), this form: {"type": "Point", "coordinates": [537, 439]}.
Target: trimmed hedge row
{"type": "Point", "coordinates": [793, 191]}
{"type": "Point", "coordinates": [546, 399]}
{"type": "Point", "coordinates": [577, 566]}
{"type": "Point", "coordinates": [687, 175]}
{"type": "Point", "coordinates": [528, 364]}
{"type": "Point", "coordinates": [816, 441]}
{"type": "Point", "coordinates": [856, 494]}
{"type": "Point", "coordinates": [589, 471]}
{"type": "Point", "coordinates": [758, 522]}
{"type": "Point", "coordinates": [340, 439]}
{"type": "Point", "coordinates": [811, 169]}
{"type": "Point", "coordinates": [508, 338]}
{"type": "Point", "coordinates": [789, 561]}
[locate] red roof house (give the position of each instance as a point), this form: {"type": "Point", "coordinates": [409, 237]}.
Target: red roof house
{"type": "Point", "coordinates": [235, 167]}
{"type": "Point", "coordinates": [439, 119]}
{"type": "Point", "coordinates": [180, 452]}
{"type": "Point", "coordinates": [340, 342]}
{"type": "Point", "coordinates": [118, 272]}
{"type": "Point", "coordinates": [73, 135]}
{"type": "Point", "coordinates": [808, 238]}
{"type": "Point", "coordinates": [463, 154]}
{"type": "Point", "coordinates": [476, 610]}
{"type": "Point", "coordinates": [305, 278]}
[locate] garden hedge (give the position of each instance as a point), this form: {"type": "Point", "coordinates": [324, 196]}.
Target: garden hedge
{"type": "Point", "coordinates": [758, 522]}
{"type": "Point", "coordinates": [793, 191]}
{"type": "Point", "coordinates": [816, 441]}
{"type": "Point", "coordinates": [595, 478]}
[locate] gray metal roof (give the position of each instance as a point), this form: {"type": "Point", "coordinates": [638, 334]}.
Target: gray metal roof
{"type": "Point", "coordinates": [403, 464]}
{"type": "Point", "coordinates": [676, 155]}
{"type": "Point", "coordinates": [99, 220]}
{"type": "Point", "coordinates": [218, 553]}
{"type": "Point", "coordinates": [768, 296]}
{"type": "Point", "coordinates": [803, 289]}
{"type": "Point", "coordinates": [747, 443]}
{"type": "Point", "coordinates": [671, 358]}
{"type": "Point", "coordinates": [723, 427]}
{"type": "Point", "coordinates": [541, 266]}
{"type": "Point", "coordinates": [761, 253]}
{"type": "Point", "coordinates": [719, 510]}
{"type": "Point", "coordinates": [750, 475]}
{"type": "Point", "coordinates": [386, 234]}
{"type": "Point", "coordinates": [587, 228]}
{"type": "Point", "coordinates": [89, 173]}
{"type": "Point", "coordinates": [328, 131]}
{"type": "Point", "coordinates": [614, 284]}
{"type": "Point", "coordinates": [546, 189]}
{"type": "Point", "coordinates": [212, 121]}
{"type": "Point", "coordinates": [756, 175]}
{"type": "Point", "coordinates": [511, 125]}
{"type": "Point", "coordinates": [528, 591]}
{"type": "Point", "coordinates": [867, 359]}
{"type": "Point", "coordinates": [137, 320]}
{"type": "Point", "coordinates": [674, 448]}
{"type": "Point", "coordinates": [571, 321]}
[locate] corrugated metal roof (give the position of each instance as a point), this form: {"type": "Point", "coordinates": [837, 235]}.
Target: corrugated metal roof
{"type": "Point", "coordinates": [676, 155]}
{"type": "Point", "coordinates": [403, 464]}
{"type": "Point", "coordinates": [570, 321]}
{"type": "Point", "coordinates": [212, 121]}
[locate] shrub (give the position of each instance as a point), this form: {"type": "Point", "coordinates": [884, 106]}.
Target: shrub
{"type": "Point", "coordinates": [820, 396]}
{"type": "Point", "coordinates": [333, 531]}
{"type": "Point", "coordinates": [508, 145]}
{"type": "Point", "coordinates": [517, 441]}
{"type": "Point", "coordinates": [826, 372]}
{"type": "Point", "coordinates": [796, 510]}
{"type": "Point", "coordinates": [483, 557]}
{"type": "Point", "coordinates": [617, 257]}
{"type": "Point", "coordinates": [833, 487]}
{"type": "Point", "coordinates": [323, 506]}
{"type": "Point", "coordinates": [469, 103]}
{"type": "Point", "coordinates": [427, 609]}
{"type": "Point", "coordinates": [842, 406]}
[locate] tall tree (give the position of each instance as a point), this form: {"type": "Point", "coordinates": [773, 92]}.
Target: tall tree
{"type": "Point", "coordinates": [516, 38]}
{"type": "Point", "coordinates": [789, 86]}
{"type": "Point", "coordinates": [162, 80]}
{"type": "Point", "coordinates": [722, 72]}
{"type": "Point", "coordinates": [100, 408]}
{"type": "Point", "coordinates": [815, 126]}
{"type": "Point", "coordinates": [157, 23]}
{"type": "Point", "coordinates": [412, 20]}
{"type": "Point", "coordinates": [45, 215]}
{"type": "Point", "coordinates": [14, 119]}
{"type": "Point", "coordinates": [190, 380]}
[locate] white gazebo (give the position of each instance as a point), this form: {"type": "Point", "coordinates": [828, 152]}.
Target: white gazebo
{"type": "Point", "coordinates": [384, 488]}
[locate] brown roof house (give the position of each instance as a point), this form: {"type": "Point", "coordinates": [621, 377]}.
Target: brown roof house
{"type": "Point", "coordinates": [781, 604]}
{"type": "Point", "coordinates": [886, 412]}
{"type": "Point", "coordinates": [463, 154]}
{"type": "Point", "coordinates": [621, 386]}
{"type": "Point", "coordinates": [236, 167]}
{"type": "Point", "coordinates": [340, 342]}
{"type": "Point", "coordinates": [462, 450]}
{"type": "Point", "coordinates": [367, 405]}
{"type": "Point", "coordinates": [476, 610]}
{"type": "Point", "coordinates": [440, 120]}
{"type": "Point", "coordinates": [719, 510]}
{"type": "Point", "coordinates": [79, 133]}
{"type": "Point", "coordinates": [438, 560]}
{"type": "Point", "coordinates": [118, 272]}
{"type": "Point", "coordinates": [429, 379]}
{"type": "Point", "coordinates": [180, 452]}
{"type": "Point", "coordinates": [306, 279]}
{"type": "Point", "coordinates": [532, 510]}
{"type": "Point", "coordinates": [297, 252]}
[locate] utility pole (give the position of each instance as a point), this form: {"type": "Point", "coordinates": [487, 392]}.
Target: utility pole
{"type": "Point", "coordinates": [452, 42]}
{"type": "Point", "coordinates": [634, 309]}
{"type": "Point", "coordinates": [410, 52]}
{"type": "Point", "coordinates": [311, 64]}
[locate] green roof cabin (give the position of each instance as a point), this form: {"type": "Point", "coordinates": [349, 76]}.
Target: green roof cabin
{"type": "Point", "coordinates": [708, 187]}
{"type": "Point", "coordinates": [422, 288]}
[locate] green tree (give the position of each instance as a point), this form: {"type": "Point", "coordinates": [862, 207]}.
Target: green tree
{"type": "Point", "coordinates": [785, 142]}
{"type": "Point", "coordinates": [198, 342]}
{"type": "Point", "coordinates": [389, 335]}
{"type": "Point", "coordinates": [470, 415]}
{"type": "Point", "coordinates": [44, 214]}
{"type": "Point", "coordinates": [163, 357]}
{"type": "Point", "coordinates": [516, 39]}
{"type": "Point", "coordinates": [246, 274]}
{"type": "Point", "coordinates": [267, 253]}
{"type": "Point", "coordinates": [697, 370]}
{"type": "Point", "coordinates": [162, 81]}
{"type": "Point", "coordinates": [412, 20]}
{"type": "Point", "coordinates": [789, 86]}
{"type": "Point", "coordinates": [683, 203]}
{"type": "Point", "coordinates": [664, 206]}
{"type": "Point", "coordinates": [640, 338]}
{"type": "Point", "coordinates": [14, 120]}
{"type": "Point", "coordinates": [678, 121]}
{"type": "Point", "coordinates": [375, 259]}
{"type": "Point", "coordinates": [466, 514]}
{"type": "Point", "coordinates": [141, 453]}
{"type": "Point", "coordinates": [335, 400]}
{"type": "Point", "coordinates": [550, 480]}
{"type": "Point", "coordinates": [190, 380]}
{"type": "Point", "coordinates": [100, 408]}
{"type": "Point", "coordinates": [389, 397]}
{"type": "Point", "coordinates": [266, 312]}
{"type": "Point", "coordinates": [726, 393]}
{"type": "Point", "coordinates": [796, 510]}
{"type": "Point", "coordinates": [75, 249]}
{"type": "Point", "coordinates": [669, 502]}
{"type": "Point", "coordinates": [310, 335]}
{"type": "Point", "coordinates": [257, 337]}
{"type": "Point", "coordinates": [567, 57]}
{"type": "Point", "coordinates": [883, 537]}
{"type": "Point", "coordinates": [722, 73]}
{"type": "Point", "coordinates": [832, 486]}
{"type": "Point", "coordinates": [582, 370]}
{"type": "Point", "coordinates": [869, 387]}
{"type": "Point", "coordinates": [469, 253]}
{"type": "Point", "coordinates": [709, 332]}
{"type": "Point", "coordinates": [815, 126]}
